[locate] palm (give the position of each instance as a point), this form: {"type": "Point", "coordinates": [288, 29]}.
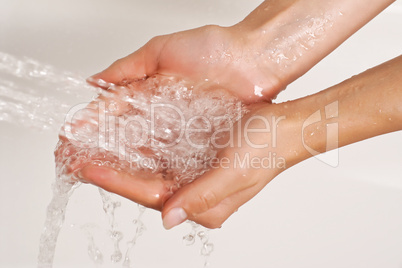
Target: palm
{"type": "Point", "coordinates": [154, 191]}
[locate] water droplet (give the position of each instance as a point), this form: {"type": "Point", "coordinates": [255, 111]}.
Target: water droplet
{"type": "Point", "coordinates": [258, 91]}
{"type": "Point", "coordinates": [116, 235]}
{"type": "Point", "coordinates": [116, 257]}
{"type": "Point", "coordinates": [189, 239]}
{"type": "Point", "coordinates": [207, 249]}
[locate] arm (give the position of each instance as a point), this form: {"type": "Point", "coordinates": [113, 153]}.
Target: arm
{"type": "Point", "coordinates": [367, 105]}
{"type": "Point", "coordinates": [258, 57]}
{"type": "Point", "coordinates": [364, 106]}
{"type": "Point", "coordinates": [297, 34]}
{"type": "Point", "coordinates": [370, 104]}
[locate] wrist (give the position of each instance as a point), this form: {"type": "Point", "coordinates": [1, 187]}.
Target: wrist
{"type": "Point", "coordinates": [310, 127]}
{"type": "Point", "coordinates": [284, 37]}
{"type": "Point", "coordinates": [291, 36]}
{"type": "Point", "coordinates": [355, 110]}
{"type": "Point", "coordinates": [293, 135]}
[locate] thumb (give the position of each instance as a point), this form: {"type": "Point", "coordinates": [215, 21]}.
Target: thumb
{"type": "Point", "coordinates": [138, 65]}
{"type": "Point", "coordinates": [203, 195]}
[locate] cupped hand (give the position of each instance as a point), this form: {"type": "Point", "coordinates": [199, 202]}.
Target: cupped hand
{"type": "Point", "coordinates": [220, 56]}
{"type": "Point", "coordinates": [260, 146]}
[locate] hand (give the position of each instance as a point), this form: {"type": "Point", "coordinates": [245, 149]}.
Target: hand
{"type": "Point", "coordinates": [211, 54]}
{"type": "Point", "coordinates": [254, 59]}
{"type": "Point", "coordinates": [291, 138]}
{"type": "Point", "coordinates": [212, 198]}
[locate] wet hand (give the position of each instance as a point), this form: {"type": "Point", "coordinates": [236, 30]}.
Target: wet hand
{"type": "Point", "coordinates": [217, 56]}
{"type": "Point", "coordinates": [256, 152]}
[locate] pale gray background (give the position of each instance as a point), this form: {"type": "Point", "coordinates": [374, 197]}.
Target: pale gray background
{"type": "Point", "coordinates": [310, 216]}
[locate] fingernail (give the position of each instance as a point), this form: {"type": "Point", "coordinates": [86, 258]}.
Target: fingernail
{"type": "Point", "coordinates": [174, 217]}
{"type": "Point", "coordinates": [100, 82]}
{"type": "Point", "coordinates": [91, 79]}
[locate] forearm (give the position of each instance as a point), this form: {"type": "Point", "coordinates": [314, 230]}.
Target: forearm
{"type": "Point", "coordinates": [371, 103]}
{"type": "Point", "coordinates": [362, 107]}
{"type": "Point", "coordinates": [296, 34]}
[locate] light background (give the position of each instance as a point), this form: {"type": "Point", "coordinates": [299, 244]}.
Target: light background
{"type": "Point", "coordinates": [310, 216]}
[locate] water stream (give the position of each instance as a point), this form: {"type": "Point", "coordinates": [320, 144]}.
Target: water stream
{"type": "Point", "coordinates": [111, 133]}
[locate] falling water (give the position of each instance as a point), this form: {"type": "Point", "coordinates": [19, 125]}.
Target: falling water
{"type": "Point", "coordinates": [39, 96]}
{"type": "Point", "coordinates": [35, 95]}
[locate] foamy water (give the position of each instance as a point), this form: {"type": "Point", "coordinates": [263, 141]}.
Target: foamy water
{"type": "Point", "coordinates": [148, 127]}
{"type": "Point", "coordinates": [143, 127]}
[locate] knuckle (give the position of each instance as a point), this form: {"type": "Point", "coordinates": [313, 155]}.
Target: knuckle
{"type": "Point", "coordinates": [206, 200]}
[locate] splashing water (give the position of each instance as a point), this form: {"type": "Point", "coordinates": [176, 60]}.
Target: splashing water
{"type": "Point", "coordinates": [145, 127]}
{"type": "Point", "coordinates": [23, 104]}
{"type": "Point", "coordinates": [140, 228]}
{"type": "Point", "coordinates": [160, 125]}
{"type": "Point", "coordinates": [207, 248]}
{"type": "Point", "coordinates": [93, 251]}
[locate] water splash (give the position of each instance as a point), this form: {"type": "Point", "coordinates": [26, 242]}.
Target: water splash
{"type": "Point", "coordinates": [161, 125]}
{"type": "Point", "coordinates": [39, 96]}
{"type": "Point", "coordinates": [36, 95]}
{"type": "Point", "coordinates": [296, 40]}
{"type": "Point", "coordinates": [56, 211]}
{"type": "Point", "coordinates": [139, 128]}
{"type": "Point", "coordinates": [139, 230]}
{"type": "Point", "coordinates": [94, 252]}
{"type": "Point", "coordinates": [202, 233]}
{"type": "Point", "coordinates": [110, 206]}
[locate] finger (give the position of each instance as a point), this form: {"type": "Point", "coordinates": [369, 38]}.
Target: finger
{"type": "Point", "coordinates": [202, 195]}
{"type": "Point", "coordinates": [215, 217]}
{"type": "Point", "coordinates": [138, 65]}
{"type": "Point", "coordinates": [146, 189]}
